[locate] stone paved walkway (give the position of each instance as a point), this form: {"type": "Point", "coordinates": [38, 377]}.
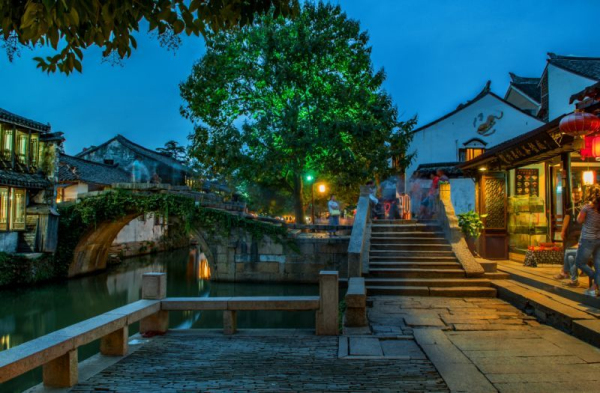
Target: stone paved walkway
{"type": "Point", "coordinates": [487, 345]}
{"type": "Point", "coordinates": [414, 344]}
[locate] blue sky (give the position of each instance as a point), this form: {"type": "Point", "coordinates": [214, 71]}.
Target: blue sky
{"type": "Point", "coordinates": [436, 53]}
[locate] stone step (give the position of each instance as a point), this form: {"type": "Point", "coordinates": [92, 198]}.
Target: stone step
{"type": "Point", "coordinates": [428, 282]}
{"type": "Point", "coordinates": [488, 266]}
{"type": "Point", "coordinates": [410, 258]}
{"type": "Point", "coordinates": [416, 265]}
{"type": "Point", "coordinates": [497, 276]}
{"type": "Point", "coordinates": [408, 234]}
{"type": "Point", "coordinates": [376, 228]}
{"type": "Point", "coordinates": [401, 254]}
{"type": "Point", "coordinates": [406, 247]}
{"type": "Point", "coordinates": [394, 222]}
{"type": "Point", "coordinates": [409, 240]}
{"type": "Point", "coordinates": [433, 291]}
{"type": "Point", "coordinates": [416, 273]}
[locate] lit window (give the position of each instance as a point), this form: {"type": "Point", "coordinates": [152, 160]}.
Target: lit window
{"type": "Point", "coordinates": [3, 208]}
{"type": "Point", "coordinates": [470, 153]}
{"type": "Point", "coordinates": [19, 204]}
{"type": "Point", "coordinates": [6, 144]}
{"type": "Point", "coordinates": [22, 142]}
{"type": "Point", "coordinates": [34, 146]}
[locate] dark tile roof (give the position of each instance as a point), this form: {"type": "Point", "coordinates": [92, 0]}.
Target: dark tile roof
{"type": "Point", "coordinates": [138, 149]}
{"type": "Point", "coordinates": [17, 120]}
{"type": "Point", "coordinates": [528, 86]}
{"type": "Point", "coordinates": [71, 169]}
{"type": "Point", "coordinates": [26, 180]}
{"type": "Point", "coordinates": [588, 67]}
{"type": "Point", "coordinates": [592, 91]}
{"type": "Point", "coordinates": [450, 169]}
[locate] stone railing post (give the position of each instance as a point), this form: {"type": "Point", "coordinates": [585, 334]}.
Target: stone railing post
{"type": "Point", "coordinates": [359, 237]}
{"type": "Point", "coordinates": [327, 315]}
{"type": "Point", "coordinates": [61, 372]}
{"type": "Point", "coordinates": [445, 192]}
{"type": "Point", "coordinates": [356, 303]}
{"type": "Point", "coordinates": [154, 287]}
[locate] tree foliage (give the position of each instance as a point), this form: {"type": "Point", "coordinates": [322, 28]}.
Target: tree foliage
{"type": "Point", "coordinates": [71, 26]}
{"type": "Point", "coordinates": [279, 99]}
{"type": "Point", "coordinates": [174, 150]}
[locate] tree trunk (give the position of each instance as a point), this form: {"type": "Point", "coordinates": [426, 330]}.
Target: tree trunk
{"type": "Point", "coordinates": [298, 200]}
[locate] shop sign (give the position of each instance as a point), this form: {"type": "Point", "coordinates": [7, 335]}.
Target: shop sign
{"type": "Point", "coordinates": [527, 182]}
{"type": "Point", "coordinates": [541, 144]}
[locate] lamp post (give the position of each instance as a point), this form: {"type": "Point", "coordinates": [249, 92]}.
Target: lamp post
{"type": "Point", "coordinates": [310, 178]}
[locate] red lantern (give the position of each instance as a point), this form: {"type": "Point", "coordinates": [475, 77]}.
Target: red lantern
{"type": "Point", "coordinates": [595, 146]}
{"type": "Point", "coordinates": [587, 150]}
{"type": "Point", "coordinates": [579, 124]}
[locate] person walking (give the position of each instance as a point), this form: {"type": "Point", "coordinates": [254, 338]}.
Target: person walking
{"type": "Point", "coordinates": [334, 214]}
{"type": "Point", "coordinates": [589, 244]}
{"type": "Point", "coordinates": [570, 234]}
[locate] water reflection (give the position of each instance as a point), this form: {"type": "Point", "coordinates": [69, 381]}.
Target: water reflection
{"type": "Point", "coordinates": [33, 312]}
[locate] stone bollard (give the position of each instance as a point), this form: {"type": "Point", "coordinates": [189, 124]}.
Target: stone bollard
{"type": "Point", "coordinates": [356, 303]}
{"type": "Point", "coordinates": [154, 287]}
{"type": "Point", "coordinates": [327, 315]}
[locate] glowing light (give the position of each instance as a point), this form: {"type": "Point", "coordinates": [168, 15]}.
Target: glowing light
{"type": "Point", "coordinates": [483, 169]}
{"type": "Point", "coordinates": [322, 188]}
{"type": "Point", "coordinates": [204, 270]}
{"type": "Point", "coordinates": [588, 178]}
{"type": "Point", "coordinates": [309, 178]}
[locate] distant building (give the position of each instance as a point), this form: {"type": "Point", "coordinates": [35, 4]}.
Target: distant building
{"type": "Point", "coordinates": [525, 93]}
{"type": "Point", "coordinates": [123, 152]}
{"type": "Point", "coordinates": [78, 176]}
{"type": "Point", "coordinates": [28, 171]}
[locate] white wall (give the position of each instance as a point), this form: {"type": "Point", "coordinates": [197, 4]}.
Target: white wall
{"type": "Point", "coordinates": [73, 191]}
{"type": "Point", "coordinates": [462, 193]}
{"type": "Point", "coordinates": [440, 142]}
{"type": "Point", "coordinates": [561, 86]}
{"type": "Point", "coordinates": [140, 230]}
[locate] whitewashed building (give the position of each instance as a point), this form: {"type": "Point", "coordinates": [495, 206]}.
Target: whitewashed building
{"type": "Point", "coordinates": [463, 134]}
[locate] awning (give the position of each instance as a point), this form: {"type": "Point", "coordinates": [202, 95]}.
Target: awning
{"type": "Point", "coordinates": [534, 146]}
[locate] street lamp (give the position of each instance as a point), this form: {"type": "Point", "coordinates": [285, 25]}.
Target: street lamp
{"type": "Point", "coordinates": [322, 188]}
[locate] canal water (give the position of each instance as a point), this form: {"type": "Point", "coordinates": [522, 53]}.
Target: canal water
{"type": "Point", "coordinates": [33, 312]}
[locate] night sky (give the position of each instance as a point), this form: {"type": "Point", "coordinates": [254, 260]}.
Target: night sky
{"type": "Point", "coordinates": [436, 53]}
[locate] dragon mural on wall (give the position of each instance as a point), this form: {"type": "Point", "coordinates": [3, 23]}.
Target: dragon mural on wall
{"type": "Point", "coordinates": [485, 128]}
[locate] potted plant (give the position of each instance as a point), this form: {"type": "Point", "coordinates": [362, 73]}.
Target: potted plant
{"type": "Point", "coordinates": [471, 225]}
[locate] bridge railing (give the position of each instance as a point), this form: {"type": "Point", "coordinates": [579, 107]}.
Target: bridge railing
{"type": "Point", "coordinates": [57, 352]}
{"type": "Point", "coordinates": [359, 238]}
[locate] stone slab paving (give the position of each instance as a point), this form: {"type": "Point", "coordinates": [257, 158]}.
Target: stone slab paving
{"type": "Point", "coordinates": [487, 345]}
{"type": "Point", "coordinates": [186, 361]}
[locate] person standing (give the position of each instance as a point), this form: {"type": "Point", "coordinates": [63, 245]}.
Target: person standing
{"type": "Point", "coordinates": [589, 244]}
{"type": "Point", "coordinates": [334, 214]}
{"type": "Point", "coordinates": [570, 233]}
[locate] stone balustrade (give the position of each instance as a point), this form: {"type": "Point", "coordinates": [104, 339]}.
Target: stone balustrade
{"type": "Point", "coordinates": [356, 303]}
{"type": "Point", "coordinates": [57, 352]}
{"type": "Point", "coordinates": [359, 239]}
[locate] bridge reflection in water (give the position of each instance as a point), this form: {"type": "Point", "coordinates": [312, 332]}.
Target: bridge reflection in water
{"type": "Point", "coordinates": [26, 314]}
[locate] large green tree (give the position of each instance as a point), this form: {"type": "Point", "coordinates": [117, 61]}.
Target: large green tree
{"type": "Point", "coordinates": [71, 26]}
{"type": "Point", "coordinates": [280, 99]}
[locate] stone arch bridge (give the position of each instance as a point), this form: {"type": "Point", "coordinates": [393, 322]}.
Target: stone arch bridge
{"type": "Point", "coordinates": [239, 256]}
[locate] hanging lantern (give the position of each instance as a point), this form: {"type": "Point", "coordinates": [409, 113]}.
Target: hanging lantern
{"type": "Point", "coordinates": [595, 148]}
{"type": "Point", "coordinates": [588, 178]}
{"type": "Point", "coordinates": [586, 152]}
{"type": "Point", "coordinates": [579, 124]}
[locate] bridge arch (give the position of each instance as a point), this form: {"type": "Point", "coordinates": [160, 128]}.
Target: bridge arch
{"type": "Point", "coordinates": [91, 252]}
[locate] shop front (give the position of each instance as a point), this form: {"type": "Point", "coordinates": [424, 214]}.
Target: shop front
{"type": "Point", "coordinates": [524, 187]}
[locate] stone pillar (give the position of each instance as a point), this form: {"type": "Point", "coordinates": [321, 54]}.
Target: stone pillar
{"type": "Point", "coordinates": [356, 303]}
{"type": "Point", "coordinates": [61, 372]}
{"type": "Point", "coordinates": [115, 343]}
{"type": "Point", "coordinates": [229, 322]}
{"type": "Point", "coordinates": [327, 315]}
{"type": "Point", "coordinates": [445, 192]}
{"type": "Point", "coordinates": [154, 287]}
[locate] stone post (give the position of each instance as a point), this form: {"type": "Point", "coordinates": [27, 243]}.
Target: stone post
{"type": "Point", "coordinates": [445, 192]}
{"type": "Point", "coordinates": [356, 303]}
{"type": "Point", "coordinates": [115, 343]}
{"type": "Point", "coordinates": [61, 372]}
{"type": "Point", "coordinates": [154, 287]}
{"type": "Point", "coordinates": [229, 322]}
{"type": "Point", "coordinates": [327, 315]}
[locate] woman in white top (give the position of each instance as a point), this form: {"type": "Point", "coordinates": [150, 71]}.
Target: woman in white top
{"type": "Point", "coordinates": [334, 213]}
{"type": "Point", "coordinates": [589, 243]}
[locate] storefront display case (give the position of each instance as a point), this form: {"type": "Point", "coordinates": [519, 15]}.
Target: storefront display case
{"type": "Point", "coordinates": [527, 224]}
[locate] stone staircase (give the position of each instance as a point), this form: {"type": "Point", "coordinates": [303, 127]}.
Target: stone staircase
{"type": "Point", "coordinates": [27, 239]}
{"type": "Point", "coordinates": [413, 258]}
